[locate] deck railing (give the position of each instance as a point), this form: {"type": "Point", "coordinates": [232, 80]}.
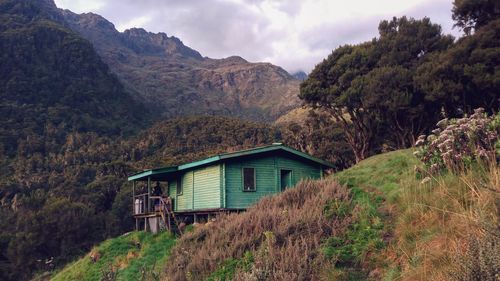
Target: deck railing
{"type": "Point", "coordinates": [145, 204]}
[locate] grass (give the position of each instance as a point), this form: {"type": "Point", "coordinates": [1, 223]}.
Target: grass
{"type": "Point", "coordinates": [426, 228]}
{"type": "Point", "coordinates": [388, 225]}
{"type": "Point", "coordinates": [278, 238]}
{"type": "Point", "coordinates": [437, 220]}
{"type": "Point", "coordinates": [375, 185]}
{"type": "Point", "coordinates": [128, 257]}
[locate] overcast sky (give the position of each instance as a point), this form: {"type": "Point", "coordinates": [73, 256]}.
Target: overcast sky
{"type": "Point", "coordinates": [294, 34]}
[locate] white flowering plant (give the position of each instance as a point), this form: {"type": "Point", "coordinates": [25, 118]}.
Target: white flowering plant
{"type": "Point", "coordinates": [457, 143]}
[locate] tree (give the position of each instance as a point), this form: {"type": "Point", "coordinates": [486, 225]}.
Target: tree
{"type": "Point", "coordinates": [473, 14]}
{"type": "Point", "coordinates": [321, 137]}
{"type": "Point", "coordinates": [369, 87]}
{"type": "Point", "coordinates": [466, 76]}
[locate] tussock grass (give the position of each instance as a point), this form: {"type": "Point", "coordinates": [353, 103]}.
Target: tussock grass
{"type": "Point", "coordinates": [279, 238]}
{"type": "Point", "coordinates": [444, 229]}
{"type": "Point", "coordinates": [441, 218]}
{"type": "Point", "coordinates": [128, 257]}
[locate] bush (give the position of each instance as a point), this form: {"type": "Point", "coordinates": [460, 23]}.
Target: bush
{"type": "Point", "coordinates": [481, 260]}
{"type": "Point", "coordinates": [457, 143]}
{"type": "Point", "coordinates": [279, 238]}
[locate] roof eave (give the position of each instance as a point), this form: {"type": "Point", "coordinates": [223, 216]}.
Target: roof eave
{"type": "Point", "coordinates": [152, 172]}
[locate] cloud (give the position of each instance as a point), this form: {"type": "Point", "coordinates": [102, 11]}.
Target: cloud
{"type": "Point", "coordinates": [80, 6]}
{"type": "Point", "coordinates": [294, 34]}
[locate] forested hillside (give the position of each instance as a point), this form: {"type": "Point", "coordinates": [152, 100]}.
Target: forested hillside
{"type": "Point", "coordinates": [74, 197]}
{"type": "Point", "coordinates": [71, 132]}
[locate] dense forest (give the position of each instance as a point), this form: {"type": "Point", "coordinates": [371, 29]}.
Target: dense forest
{"type": "Point", "coordinates": [70, 133]}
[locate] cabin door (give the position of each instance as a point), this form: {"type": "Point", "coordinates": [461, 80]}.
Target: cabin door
{"type": "Point", "coordinates": [286, 179]}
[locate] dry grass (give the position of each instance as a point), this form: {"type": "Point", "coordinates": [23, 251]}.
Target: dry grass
{"type": "Point", "coordinates": [438, 220]}
{"type": "Point", "coordinates": [279, 238]}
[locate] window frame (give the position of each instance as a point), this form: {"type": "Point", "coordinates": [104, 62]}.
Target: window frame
{"type": "Point", "coordinates": [254, 179]}
{"type": "Point", "coordinates": [179, 184]}
{"type": "Point", "coordinates": [290, 179]}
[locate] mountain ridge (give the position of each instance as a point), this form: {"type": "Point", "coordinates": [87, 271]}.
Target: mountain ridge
{"type": "Point", "coordinates": [176, 80]}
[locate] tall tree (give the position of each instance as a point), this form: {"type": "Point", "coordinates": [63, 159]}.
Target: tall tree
{"type": "Point", "coordinates": [370, 86]}
{"type": "Point", "coordinates": [473, 14]}
{"type": "Point", "coordinates": [467, 75]}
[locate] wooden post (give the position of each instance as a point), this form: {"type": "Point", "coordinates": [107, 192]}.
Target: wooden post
{"type": "Point", "coordinates": [133, 197]}
{"type": "Point", "coordinates": [149, 195]}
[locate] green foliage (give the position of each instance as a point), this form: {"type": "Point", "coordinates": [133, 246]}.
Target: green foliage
{"type": "Point", "coordinates": [337, 209]}
{"type": "Point", "coordinates": [191, 138]}
{"type": "Point", "coordinates": [374, 183]}
{"type": "Point", "coordinates": [320, 137]}
{"type": "Point", "coordinates": [86, 178]}
{"type": "Point", "coordinates": [364, 234]}
{"type": "Point", "coordinates": [466, 76]}
{"type": "Point", "coordinates": [134, 256]}
{"type": "Point", "coordinates": [228, 268]}
{"type": "Point", "coordinates": [473, 14]}
{"type": "Point", "coordinates": [458, 143]}
{"type": "Point", "coordinates": [369, 90]}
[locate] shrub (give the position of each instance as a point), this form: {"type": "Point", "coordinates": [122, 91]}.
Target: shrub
{"type": "Point", "coordinates": [279, 238]}
{"type": "Point", "coordinates": [457, 143]}
{"type": "Point", "coordinates": [481, 260]}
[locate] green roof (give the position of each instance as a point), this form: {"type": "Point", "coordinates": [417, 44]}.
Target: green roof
{"type": "Point", "coordinates": [156, 173]}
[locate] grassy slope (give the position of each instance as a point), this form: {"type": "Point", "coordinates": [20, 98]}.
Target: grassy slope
{"type": "Point", "coordinates": [401, 228]}
{"type": "Point", "coordinates": [126, 256]}
{"type": "Point", "coordinates": [427, 226]}
{"type": "Point", "coordinates": [376, 184]}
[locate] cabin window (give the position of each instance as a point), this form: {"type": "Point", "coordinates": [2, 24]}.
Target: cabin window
{"type": "Point", "coordinates": [248, 179]}
{"type": "Point", "coordinates": [179, 187]}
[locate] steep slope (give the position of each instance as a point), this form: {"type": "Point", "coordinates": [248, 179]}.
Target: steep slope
{"type": "Point", "coordinates": [53, 85]}
{"type": "Point", "coordinates": [52, 78]}
{"type": "Point", "coordinates": [71, 194]}
{"type": "Point", "coordinates": [132, 256]}
{"type": "Point", "coordinates": [383, 224]}
{"type": "Point", "coordinates": [176, 80]}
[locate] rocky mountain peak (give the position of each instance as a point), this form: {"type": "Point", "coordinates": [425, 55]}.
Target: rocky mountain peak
{"type": "Point", "coordinates": [89, 21]}
{"type": "Point", "coordinates": [175, 80]}
{"type": "Point", "coordinates": [300, 75]}
{"type": "Point", "coordinates": [158, 43]}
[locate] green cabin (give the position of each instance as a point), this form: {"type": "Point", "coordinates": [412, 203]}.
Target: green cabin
{"type": "Point", "coordinates": [226, 182]}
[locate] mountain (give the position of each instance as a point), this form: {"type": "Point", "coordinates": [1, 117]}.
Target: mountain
{"type": "Point", "coordinates": [174, 79]}
{"type": "Point", "coordinates": [52, 79]}
{"type": "Point", "coordinates": [300, 75]}
{"type": "Point", "coordinates": [54, 87]}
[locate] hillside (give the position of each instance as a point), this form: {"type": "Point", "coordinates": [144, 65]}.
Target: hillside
{"type": "Point", "coordinates": [176, 80]}
{"type": "Point", "coordinates": [131, 256]}
{"type": "Point", "coordinates": [62, 87]}
{"type": "Point", "coordinates": [75, 194]}
{"type": "Point", "coordinates": [386, 226]}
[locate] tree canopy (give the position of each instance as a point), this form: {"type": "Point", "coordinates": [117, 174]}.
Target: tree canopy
{"type": "Point", "coordinates": [473, 14]}
{"type": "Point", "coordinates": [369, 87]}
